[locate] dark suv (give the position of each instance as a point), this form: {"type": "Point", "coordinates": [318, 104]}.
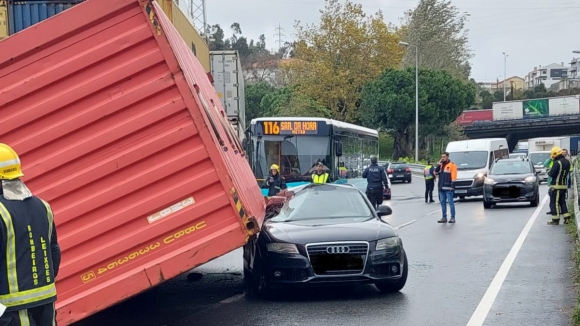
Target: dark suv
{"type": "Point", "coordinates": [511, 181]}
{"type": "Point", "coordinates": [399, 171]}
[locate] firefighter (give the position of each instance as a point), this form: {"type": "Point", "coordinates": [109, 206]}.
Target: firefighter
{"type": "Point", "coordinates": [275, 182]}
{"type": "Point", "coordinates": [320, 176]}
{"type": "Point", "coordinates": [559, 186]}
{"type": "Point", "coordinates": [376, 182]}
{"type": "Point", "coordinates": [429, 174]}
{"type": "Point", "coordinates": [548, 165]}
{"type": "Point", "coordinates": [29, 254]}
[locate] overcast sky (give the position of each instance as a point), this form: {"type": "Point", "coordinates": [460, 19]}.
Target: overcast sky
{"type": "Point", "coordinates": [532, 32]}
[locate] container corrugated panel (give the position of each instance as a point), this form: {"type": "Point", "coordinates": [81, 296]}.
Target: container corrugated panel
{"type": "Point", "coordinates": [118, 128]}
{"type": "Point", "coordinates": [23, 14]}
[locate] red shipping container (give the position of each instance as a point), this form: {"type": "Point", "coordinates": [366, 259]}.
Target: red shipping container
{"type": "Point", "coordinates": [468, 117]}
{"type": "Point", "coordinates": [120, 130]}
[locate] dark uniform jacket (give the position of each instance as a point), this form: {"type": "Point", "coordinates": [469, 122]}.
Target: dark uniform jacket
{"type": "Point", "coordinates": [559, 173]}
{"type": "Point", "coordinates": [275, 186]}
{"type": "Point", "coordinates": [376, 177]}
{"type": "Point", "coordinates": [29, 253]}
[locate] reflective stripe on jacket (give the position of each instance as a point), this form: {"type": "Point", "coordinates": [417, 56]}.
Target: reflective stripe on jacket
{"type": "Point", "coordinates": [447, 175]}
{"type": "Point", "coordinates": [319, 178]}
{"type": "Point", "coordinates": [428, 172]}
{"type": "Point", "coordinates": [559, 173]}
{"type": "Point", "coordinates": [29, 255]}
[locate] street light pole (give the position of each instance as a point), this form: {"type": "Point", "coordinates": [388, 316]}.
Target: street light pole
{"type": "Point", "coordinates": [405, 44]}
{"type": "Point", "coordinates": [504, 72]}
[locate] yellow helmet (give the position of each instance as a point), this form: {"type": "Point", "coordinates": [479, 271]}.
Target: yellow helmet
{"type": "Point", "coordinates": [555, 152]}
{"type": "Point", "coordinates": [274, 167]}
{"type": "Point", "coordinates": [10, 167]}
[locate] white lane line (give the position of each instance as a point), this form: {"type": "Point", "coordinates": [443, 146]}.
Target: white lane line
{"type": "Point", "coordinates": [482, 310]}
{"type": "Point", "coordinates": [232, 298]}
{"type": "Point", "coordinates": [405, 224]}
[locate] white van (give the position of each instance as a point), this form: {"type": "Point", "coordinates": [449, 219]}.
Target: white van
{"type": "Point", "coordinates": [474, 158]}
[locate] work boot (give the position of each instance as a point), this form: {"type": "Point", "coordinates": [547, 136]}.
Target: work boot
{"type": "Point", "coordinates": [452, 220]}
{"type": "Point", "coordinates": [442, 220]}
{"type": "Point", "coordinates": [431, 201]}
{"type": "Point", "coordinates": [548, 213]}
{"type": "Point", "coordinates": [554, 222]}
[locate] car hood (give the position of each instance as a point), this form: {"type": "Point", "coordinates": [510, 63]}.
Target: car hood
{"type": "Point", "coordinates": [301, 233]}
{"type": "Point", "coordinates": [510, 177]}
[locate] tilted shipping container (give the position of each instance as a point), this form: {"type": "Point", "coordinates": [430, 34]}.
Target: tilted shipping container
{"type": "Point", "coordinates": [121, 131]}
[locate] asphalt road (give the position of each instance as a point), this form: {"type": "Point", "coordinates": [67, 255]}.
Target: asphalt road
{"type": "Point", "coordinates": [502, 266]}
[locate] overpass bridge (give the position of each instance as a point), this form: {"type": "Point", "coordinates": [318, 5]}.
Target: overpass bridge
{"type": "Point", "coordinates": [514, 130]}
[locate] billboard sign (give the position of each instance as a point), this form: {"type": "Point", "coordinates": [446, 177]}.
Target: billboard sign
{"type": "Point", "coordinates": [536, 108]}
{"type": "Point", "coordinates": [507, 110]}
{"type": "Point", "coordinates": [564, 105]}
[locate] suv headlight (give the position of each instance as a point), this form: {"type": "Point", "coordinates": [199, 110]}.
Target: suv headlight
{"type": "Point", "coordinates": [282, 248]}
{"type": "Point", "coordinates": [388, 243]}
{"type": "Point", "coordinates": [489, 181]}
{"type": "Point", "coordinates": [530, 180]}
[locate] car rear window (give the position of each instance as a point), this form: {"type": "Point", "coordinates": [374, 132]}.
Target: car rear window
{"type": "Point", "coordinates": [399, 166]}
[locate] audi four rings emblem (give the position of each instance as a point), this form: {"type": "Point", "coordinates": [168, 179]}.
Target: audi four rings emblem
{"type": "Point", "coordinates": [338, 250]}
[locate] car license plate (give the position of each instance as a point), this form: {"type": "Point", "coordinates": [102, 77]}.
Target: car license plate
{"type": "Point", "coordinates": [390, 175]}
{"type": "Point", "coordinates": [325, 263]}
{"type": "Point", "coordinates": [460, 191]}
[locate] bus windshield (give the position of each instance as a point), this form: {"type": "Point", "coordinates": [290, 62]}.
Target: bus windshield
{"type": "Point", "coordinates": [295, 155]}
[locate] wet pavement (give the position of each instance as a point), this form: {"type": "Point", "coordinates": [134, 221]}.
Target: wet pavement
{"type": "Point", "coordinates": [500, 266]}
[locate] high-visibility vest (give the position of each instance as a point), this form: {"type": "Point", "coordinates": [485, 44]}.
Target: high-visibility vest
{"type": "Point", "coordinates": [428, 175]}
{"type": "Point", "coordinates": [319, 178]}
{"type": "Point", "coordinates": [27, 273]}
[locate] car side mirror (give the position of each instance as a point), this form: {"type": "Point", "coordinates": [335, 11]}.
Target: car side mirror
{"type": "Point", "coordinates": [384, 210]}
{"type": "Point", "coordinates": [338, 149]}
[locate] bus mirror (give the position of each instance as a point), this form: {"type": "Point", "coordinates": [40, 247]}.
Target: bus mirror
{"type": "Point", "coordinates": [338, 149]}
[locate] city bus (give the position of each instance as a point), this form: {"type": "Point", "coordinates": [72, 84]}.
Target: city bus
{"type": "Point", "coordinates": [297, 144]}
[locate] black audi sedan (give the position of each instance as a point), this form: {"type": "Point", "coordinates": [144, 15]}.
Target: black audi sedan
{"type": "Point", "coordinates": [511, 180]}
{"type": "Point", "coordinates": [325, 234]}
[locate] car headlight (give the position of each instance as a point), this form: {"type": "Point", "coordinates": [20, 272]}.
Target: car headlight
{"type": "Point", "coordinates": [489, 181]}
{"type": "Point", "coordinates": [282, 248]}
{"type": "Point", "coordinates": [479, 176]}
{"type": "Point", "coordinates": [530, 180]}
{"type": "Point", "coordinates": [388, 243]}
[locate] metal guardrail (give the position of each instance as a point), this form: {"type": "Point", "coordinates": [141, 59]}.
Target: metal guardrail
{"type": "Point", "coordinates": [416, 168]}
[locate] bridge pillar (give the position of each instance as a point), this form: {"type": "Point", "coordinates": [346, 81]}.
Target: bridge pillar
{"type": "Point", "coordinates": [512, 140]}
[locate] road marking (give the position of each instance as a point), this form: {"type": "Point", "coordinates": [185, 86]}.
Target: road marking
{"type": "Point", "coordinates": [482, 310]}
{"type": "Point", "coordinates": [232, 298]}
{"type": "Point", "coordinates": [405, 224]}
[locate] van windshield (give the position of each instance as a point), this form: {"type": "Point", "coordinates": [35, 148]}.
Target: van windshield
{"type": "Point", "coordinates": [469, 160]}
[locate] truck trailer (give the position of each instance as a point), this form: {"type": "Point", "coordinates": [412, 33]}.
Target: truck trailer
{"type": "Point", "coordinates": [119, 128]}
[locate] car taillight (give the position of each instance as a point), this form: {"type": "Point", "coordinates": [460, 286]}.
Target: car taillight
{"type": "Point", "coordinates": [390, 170]}
{"type": "Point", "coordinates": [408, 169]}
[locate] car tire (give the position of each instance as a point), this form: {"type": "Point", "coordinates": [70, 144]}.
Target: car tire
{"type": "Point", "coordinates": [486, 204]}
{"type": "Point", "coordinates": [398, 285]}
{"type": "Point", "coordinates": [409, 181]}
{"type": "Point", "coordinates": [258, 285]}
{"type": "Point", "coordinates": [388, 197]}
{"type": "Point", "coordinates": [536, 201]}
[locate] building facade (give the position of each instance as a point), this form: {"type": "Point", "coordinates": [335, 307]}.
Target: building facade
{"type": "Point", "coordinates": [547, 75]}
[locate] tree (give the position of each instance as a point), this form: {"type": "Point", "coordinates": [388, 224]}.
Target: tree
{"type": "Point", "coordinates": [288, 102]}
{"type": "Point", "coordinates": [389, 102]}
{"type": "Point", "coordinates": [255, 92]}
{"type": "Point", "coordinates": [437, 28]}
{"type": "Point", "coordinates": [336, 57]}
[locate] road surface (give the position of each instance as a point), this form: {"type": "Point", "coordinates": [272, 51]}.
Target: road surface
{"type": "Point", "coordinates": [502, 266]}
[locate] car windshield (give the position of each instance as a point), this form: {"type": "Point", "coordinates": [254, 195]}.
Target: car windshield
{"type": "Point", "coordinates": [326, 201]}
{"type": "Point", "coordinates": [469, 160]}
{"type": "Point", "coordinates": [538, 158]}
{"type": "Point", "coordinates": [502, 168]}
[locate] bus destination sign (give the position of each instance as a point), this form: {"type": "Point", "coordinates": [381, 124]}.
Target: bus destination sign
{"type": "Point", "coordinates": [290, 127]}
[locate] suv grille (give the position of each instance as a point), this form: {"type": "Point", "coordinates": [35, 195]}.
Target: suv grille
{"type": "Point", "coordinates": [338, 258]}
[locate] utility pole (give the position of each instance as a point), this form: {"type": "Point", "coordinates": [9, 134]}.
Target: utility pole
{"type": "Point", "coordinates": [197, 13]}
{"type": "Point", "coordinates": [504, 72]}
{"type": "Point", "coordinates": [279, 34]}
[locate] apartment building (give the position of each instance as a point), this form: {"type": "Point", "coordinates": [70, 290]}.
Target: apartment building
{"type": "Point", "coordinates": [548, 75]}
